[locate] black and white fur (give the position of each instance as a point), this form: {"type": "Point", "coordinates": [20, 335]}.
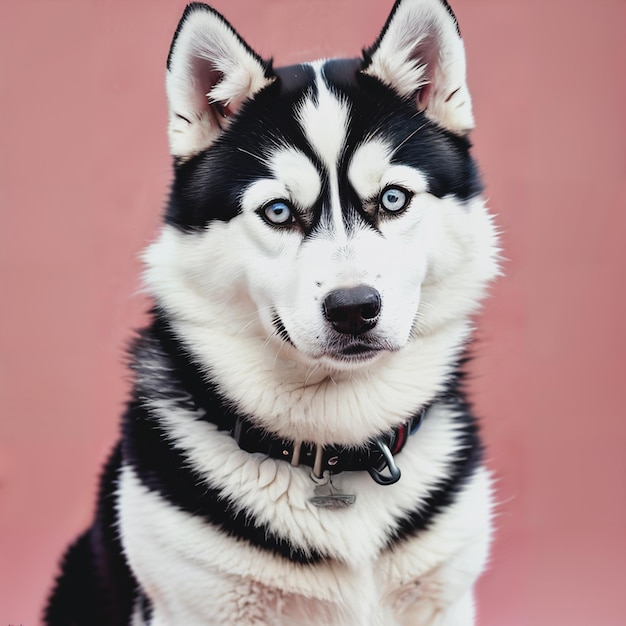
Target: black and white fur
{"type": "Point", "coordinates": [292, 184]}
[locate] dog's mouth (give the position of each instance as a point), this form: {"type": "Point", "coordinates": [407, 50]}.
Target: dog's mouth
{"type": "Point", "coordinates": [340, 349]}
{"type": "Point", "coordinates": [357, 351]}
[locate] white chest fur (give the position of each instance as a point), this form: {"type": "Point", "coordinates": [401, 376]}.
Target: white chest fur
{"type": "Point", "coordinates": [195, 573]}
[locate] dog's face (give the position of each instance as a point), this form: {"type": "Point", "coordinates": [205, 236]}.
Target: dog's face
{"type": "Point", "coordinates": [330, 208]}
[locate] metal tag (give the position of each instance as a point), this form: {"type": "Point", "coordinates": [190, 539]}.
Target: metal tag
{"type": "Point", "coordinates": [327, 496]}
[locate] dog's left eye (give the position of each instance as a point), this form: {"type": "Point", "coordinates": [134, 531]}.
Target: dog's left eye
{"type": "Point", "coordinates": [278, 213]}
{"type": "Point", "coordinates": [394, 199]}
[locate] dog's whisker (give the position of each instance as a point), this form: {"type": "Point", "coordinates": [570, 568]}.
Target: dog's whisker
{"type": "Point", "coordinates": [408, 138]}
{"type": "Point", "coordinates": [280, 347]}
{"type": "Point", "coordinates": [313, 369]}
{"type": "Point", "coordinates": [258, 157]}
{"type": "Point", "coordinates": [246, 326]}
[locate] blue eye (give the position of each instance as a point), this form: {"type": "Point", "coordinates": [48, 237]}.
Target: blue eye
{"type": "Point", "coordinates": [278, 212]}
{"type": "Point", "coordinates": [394, 199]}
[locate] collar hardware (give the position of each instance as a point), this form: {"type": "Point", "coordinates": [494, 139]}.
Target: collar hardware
{"type": "Point", "coordinates": [388, 463]}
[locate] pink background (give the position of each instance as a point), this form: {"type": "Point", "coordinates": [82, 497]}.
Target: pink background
{"type": "Point", "coordinates": [84, 170]}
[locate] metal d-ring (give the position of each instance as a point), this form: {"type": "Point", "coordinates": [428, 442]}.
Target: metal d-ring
{"type": "Point", "coordinates": [394, 470]}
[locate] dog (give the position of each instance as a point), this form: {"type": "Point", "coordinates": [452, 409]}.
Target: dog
{"type": "Point", "coordinates": [298, 447]}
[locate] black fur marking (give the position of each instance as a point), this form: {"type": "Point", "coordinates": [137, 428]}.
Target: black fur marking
{"type": "Point", "coordinates": [164, 468]}
{"type": "Point", "coordinates": [96, 587]}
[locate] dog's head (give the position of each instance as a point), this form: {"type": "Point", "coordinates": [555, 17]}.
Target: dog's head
{"type": "Point", "coordinates": [330, 209]}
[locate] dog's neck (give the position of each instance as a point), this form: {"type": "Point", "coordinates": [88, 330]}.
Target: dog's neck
{"type": "Point", "coordinates": [227, 376]}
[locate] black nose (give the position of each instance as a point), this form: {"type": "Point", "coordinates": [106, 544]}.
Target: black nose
{"type": "Point", "coordinates": [353, 310]}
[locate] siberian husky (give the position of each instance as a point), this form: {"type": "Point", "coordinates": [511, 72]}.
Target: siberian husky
{"type": "Point", "coordinates": [298, 449]}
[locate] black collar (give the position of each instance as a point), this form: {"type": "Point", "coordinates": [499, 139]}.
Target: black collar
{"type": "Point", "coordinates": [374, 457]}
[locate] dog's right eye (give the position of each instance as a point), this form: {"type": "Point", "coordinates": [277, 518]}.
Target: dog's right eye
{"type": "Point", "coordinates": [278, 213]}
{"type": "Point", "coordinates": [394, 199]}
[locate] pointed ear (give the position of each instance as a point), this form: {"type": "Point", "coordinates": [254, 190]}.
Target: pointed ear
{"type": "Point", "coordinates": [420, 54]}
{"type": "Point", "coordinates": [210, 72]}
